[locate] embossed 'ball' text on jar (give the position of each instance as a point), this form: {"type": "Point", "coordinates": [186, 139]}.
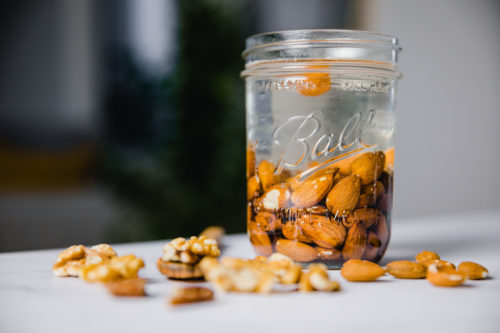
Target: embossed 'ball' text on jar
{"type": "Point", "coordinates": [320, 143]}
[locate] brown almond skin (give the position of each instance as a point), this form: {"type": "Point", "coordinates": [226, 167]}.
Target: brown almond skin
{"type": "Point", "coordinates": [382, 230]}
{"type": "Point", "coordinates": [313, 190]}
{"type": "Point", "coordinates": [376, 189]}
{"type": "Point", "coordinates": [267, 221]}
{"type": "Point", "coordinates": [344, 196]}
{"type": "Point", "coordinates": [472, 270]}
{"type": "Point", "coordinates": [253, 187]}
{"type": "Point", "coordinates": [297, 251]}
{"type": "Point", "coordinates": [404, 269]}
{"type": "Point", "coordinates": [355, 270]}
{"type": "Point", "coordinates": [384, 203]}
{"type": "Point", "coordinates": [426, 255]}
{"type": "Point", "coordinates": [368, 166]}
{"type": "Point", "coordinates": [444, 277]}
{"type": "Point", "coordinates": [366, 201]}
{"type": "Point", "coordinates": [442, 265]}
{"type": "Point", "coordinates": [372, 246]}
{"type": "Point", "coordinates": [322, 231]}
{"type": "Point", "coordinates": [192, 295]}
{"type": "Point", "coordinates": [259, 239]}
{"type": "Point", "coordinates": [265, 173]}
{"type": "Point", "coordinates": [366, 217]}
{"type": "Point", "coordinates": [355, 243]}
{"type": "Point", "coordinates": [328, 254]}
{"type": "Point", "coordinates": [293, 231]}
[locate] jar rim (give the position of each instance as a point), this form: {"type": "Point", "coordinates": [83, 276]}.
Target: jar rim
{"type": "Point", "coordinates": [319, 37]}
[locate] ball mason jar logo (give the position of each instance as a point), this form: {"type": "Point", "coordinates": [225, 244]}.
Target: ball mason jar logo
{"type": "Point", "coordinates": [298, 137]}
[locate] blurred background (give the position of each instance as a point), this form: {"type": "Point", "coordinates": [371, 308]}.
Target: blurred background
{"type": "Point", "coordinates": [124, 120]}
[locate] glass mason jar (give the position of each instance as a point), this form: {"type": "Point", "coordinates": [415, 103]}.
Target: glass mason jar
{"type": "Point", "coordinates": [320, 143]}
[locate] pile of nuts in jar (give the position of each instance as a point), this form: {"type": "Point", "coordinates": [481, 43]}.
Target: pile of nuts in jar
{"type": "Point", "coordinates": [331, 212]}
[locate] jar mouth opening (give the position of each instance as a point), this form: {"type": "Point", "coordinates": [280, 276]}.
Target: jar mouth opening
{"type": "Point", "coordinates": [319, 37]}
{"type": "Point", "coordinates": [335, 47]}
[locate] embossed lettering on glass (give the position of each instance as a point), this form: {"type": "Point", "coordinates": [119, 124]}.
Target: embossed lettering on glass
{"type": "Point", "coordinates": [320, 143]}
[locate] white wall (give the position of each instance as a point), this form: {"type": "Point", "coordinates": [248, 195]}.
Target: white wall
{"type": "Point", "coordinates": [448, 127]}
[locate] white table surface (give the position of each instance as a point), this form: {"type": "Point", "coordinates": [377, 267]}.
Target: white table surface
{"type": "Point", "coordinates": [32, 299]}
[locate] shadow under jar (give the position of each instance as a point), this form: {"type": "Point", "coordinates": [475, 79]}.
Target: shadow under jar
{"type": "Point", "coordinates": [320, 143]}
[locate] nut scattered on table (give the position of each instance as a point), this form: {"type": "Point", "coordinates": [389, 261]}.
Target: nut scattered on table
{"type": "Point", "coordinates": [443, 276]}
{"type": "Point", "coordinates": [317, 279]}
{"type": "Point", "coordinates": [75, 258]}
{"type": "Point", "coordinates": [127, 287]}
{"type": "Point", "coordinates": [214, 232]}
{"type": "Point", "coordinates": [425, 256]}
{"type": "Point", "coordinates": [181, 257]}
{"type": "Point", "coordinates": [243, 275]}
{"type": "Point", "coordinates": [404, 269]}
{"type": "Point", "coordinates": [118, 268]}
{"type": "Point", "coordinates": [472, 270]}
{"type": "Point", "coordinates": [356, 270]}
{"type": "Point", "coordinates": [191, 295]}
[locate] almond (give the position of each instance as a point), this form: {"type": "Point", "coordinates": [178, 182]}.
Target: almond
{"type": "Point", "coordinates": [366, 201]}
{"type": "Point", "coordinates": [318, 210]}
{"type": "Point", "coordinates": [472, 270]}
{"type": "Point", "coordinates": [368, 166]}
{"type": "Point", "coordinates": [292, 230]}
{"type": "Point", "coordinates": [250, 161]}
{"type": "Point", "coordinates": [365, 217]}
{"type": "Point", "coordinates": [382, 230]}
{"type": "Point", "coordinates": [376, 189]}
{"type": "Point", "coordinates": [344, 164]}
{"type": "Point", "coordinates": [265, 173]}
{"type": "Point", "coordinates": [344, 195]}
{"type": "Point", "coordinates": [355, 243]}
{"type": "Point", "coordinates": [386, 180]}
{"type": "Point", "coordinates": [259, 239]}
{"type": "Point", "coordinates": [322, 231]}
{"type": "Point", "coordinates": [372, 246]}
{"type": "Point", "coordinates": [404, 269]}
{"type": "Point", "coordinates": [253, 187]}
{"type": "Point", "coordinates": [444, 277]}
{"type": "Point", "coordinates": [276, 197]}
{"type": "Point", "coordinates": [361, 271]}
{"type": "Point", "coordinates": [328, 254]}
{"type": "Point", "coordinates": [389, 159]}
{"type": "Point", "coordinates": [426, 255]}
{"type": "Point", "coordinates": [442, 265]}
{"type": "Point", "coordinates": [297, 251]}
{"type": "Point", "coordinates": [267, 221]}
{"type": "Point", "coordinates": [313, 190]}
{"type": "Point", "coordinates": [385, 203]}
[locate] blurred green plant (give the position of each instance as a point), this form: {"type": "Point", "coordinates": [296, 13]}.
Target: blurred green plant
{"type": "Point", "coordinates": [175, 154]}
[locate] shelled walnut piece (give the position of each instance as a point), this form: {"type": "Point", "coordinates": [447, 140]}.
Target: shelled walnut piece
{"type": "Point", "coordinates": [258, 275]}
{"type": "Point", "coordinates": [317, 279]}
{"type": "Point", "coordinates": [75, 258]}
{"type": "Point", "coordinates": [118, 268]}
{"type": "Point", "coordinates": [181, 257]}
